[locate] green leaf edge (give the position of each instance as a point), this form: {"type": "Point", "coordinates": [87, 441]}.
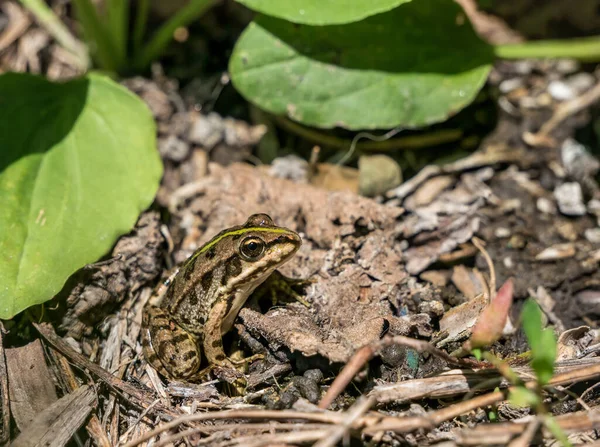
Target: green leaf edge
{"type": "Point", "coordinates": [144, 202]}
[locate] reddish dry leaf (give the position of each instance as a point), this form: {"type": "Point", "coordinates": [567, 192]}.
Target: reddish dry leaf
{"type": "Point", "coordinates": [492, 320]}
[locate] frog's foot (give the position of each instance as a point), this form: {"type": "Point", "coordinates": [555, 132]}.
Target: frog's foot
{"type": "Point", "coordinates": [246, 360]}
{"type": "Point", "coordinates": [235, 381]}
{"type": "Point", "coordinates": [277, 286]}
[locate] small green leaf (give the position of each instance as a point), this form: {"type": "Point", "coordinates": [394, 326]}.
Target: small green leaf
{"type": "Point", "coordinates": [477, 353]}
{"type": "Point", "coordinates": [319, 12]}
{"type": "Point", "coordinates": [556, 431]}
{"type": "Point", "coordinates": [415, 65]}
{"type": "Point", "coordinates": [541, 341]}
{"type": "Point", "coordinates": [523, 397]}
{"type": "Point", "coordinates": [78, 162]}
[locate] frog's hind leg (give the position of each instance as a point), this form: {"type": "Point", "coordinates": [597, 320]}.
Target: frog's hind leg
{"type": "Point", "coordinates": [168, 347]}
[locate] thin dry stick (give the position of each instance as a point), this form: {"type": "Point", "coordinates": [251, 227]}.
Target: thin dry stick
{"type": "Point", "coordinates": [354, 365]}
{"type": "Point", "coordinates": [332, 418]}
{"type": "Point", "coordinates": [139, 397]}
{"type": "Point", "coordinates": [265, 427]}
{"type": "Point", "coordinates": [431, 420]}
{"type": "Point", "coordinates": [564, 111]}
{"type": "Point", "coordinates": [525, 439]}
{"type": "Point", "coordinates": [480, 246]}
{"type": "Point", "coordinates": [4, 403]}
{"type": "Point", "coordinates": [94, 427]}
{"type": "Point", "coordinates": [276, 439]}
{"type": "Point", "coordinates": [362, 405]}
{"type": "Point", "coordinates": [366, 353]}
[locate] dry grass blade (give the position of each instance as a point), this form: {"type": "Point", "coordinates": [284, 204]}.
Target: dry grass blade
{"type": "Point", "coordinates": [140, 398]}
{"type": "Point", "coordinates": [361, 406]}
{"type": "Point", "coordinates": [331, 418]}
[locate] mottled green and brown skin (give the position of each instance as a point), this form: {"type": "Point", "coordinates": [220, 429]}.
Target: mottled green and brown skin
{"type": "Point", "coordinates": [208, 292]}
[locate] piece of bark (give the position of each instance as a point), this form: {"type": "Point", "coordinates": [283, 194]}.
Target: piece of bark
{"type": "Point", "coordinates": [57, 423]}
{"type": "Point", "coordinates": [30, 384]}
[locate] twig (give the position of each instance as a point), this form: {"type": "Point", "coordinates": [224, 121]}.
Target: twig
{"type": "Point", "coordinates": [358, 360]}
{"type": "Point", "coordinates": [366, 353]}
{"type": "Point", "coordinates": [328, 417]}
{"type": "Point", "coordinates": [480, 246]}
{"type": "Point", "coordinates": [94, 427]}
{"type": "Point", "coordinates": [525, 439]}
{"type": "Point", "coordinates": [433, 419]}
{"type": "Point", "coordinates": [562, 112]}
{"type": "Point", "coordinates": [276, 439]}
{"type": "Point", "coordinates": [141, 398]}
{"type": "Point", "coordinates": [360, 407]}
{"type": "Point", "coordinates": [265, 427]}
{"type": "Point", "coordinates": [17, 24]}
{"type": "Point", "coordinates": [4, 403]}
{"type": "Point", "coordinates": [490, 156]}
{"type": "Point", "coordinates": [48, 19]}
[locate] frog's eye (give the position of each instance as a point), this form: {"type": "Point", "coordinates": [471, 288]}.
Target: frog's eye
{"type": "Point", "coordinates": [252, 248]}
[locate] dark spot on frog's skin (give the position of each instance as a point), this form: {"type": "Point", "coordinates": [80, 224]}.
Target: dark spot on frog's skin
{"type": "Point", "coordinates": [162, 347]}
{"type": "Point", "coordinates": [235, 237]}
{"type": "Point", "coordinates": [216, 343]}
{"type": "Point", "coordinates": [220, 357]}
{"type": "Point", "coordinates": [234, 267]}
{"type": "Point", "coordinates": [193, 299]}
{"type": "Point", "coordinates": [211, 253]}
{"type": "Point", "coordinates": [185, 320]}
{"type": "Point", "coordinates": [189, 355]}
{"type": "Point", "coordinates": [385, 327]}
{"type": "Point", "coordinates": [179, 338]}
{"type": "Point", "coordinates": [206, 281]}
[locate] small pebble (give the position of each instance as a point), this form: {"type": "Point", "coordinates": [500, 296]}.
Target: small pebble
{"type": "Point", "coordinates": [546, 206]}
{"type": "Point", "coordinates": [566, 66]}
{"type": "Point", "coordinates": [434, 308]}
{"type": "Point", "coordinates": [510, 85]}
{"type": "Point", "coordinates": [508, 262]}
{"type": "Point", "coordinates": [314, 374]}
{"type": "Point", "coordinates": [592, 235]}
{"type": "Point", "coordinates": [290, 167]}
{"type": "Point", "coordinates": [581, 82]}
{"type": "Point", "coordinates": [308, 388]}
{"type": "Point", "coordinates": [558, 251]}
{"type": "Point", "coordinates": [502, 232]}
{"type": "Point", "coordinates": [561, 91]}
{"type": "Point", "coordinates": [570, 199]}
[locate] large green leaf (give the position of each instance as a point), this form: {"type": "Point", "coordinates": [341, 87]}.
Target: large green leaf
{"type": "Point", "coordinates": [322, 12]}
{"type": "Point", "coordinates": [78, 162]}
{"type": "Point", "coordinates": [415, 65]}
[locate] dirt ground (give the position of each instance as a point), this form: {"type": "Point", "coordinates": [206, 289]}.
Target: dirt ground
{"type": "Point", "coordinates": [398, 282]}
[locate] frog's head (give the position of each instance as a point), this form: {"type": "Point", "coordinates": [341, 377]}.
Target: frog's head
{"type": "Point", "coordinates": [262, 246]}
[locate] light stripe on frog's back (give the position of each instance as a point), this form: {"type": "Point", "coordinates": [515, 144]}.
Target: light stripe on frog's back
{"type": "Point", "coordinates": [235, 233]}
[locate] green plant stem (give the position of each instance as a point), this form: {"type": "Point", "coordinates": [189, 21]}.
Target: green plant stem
{"type": "Point", "coordinates": [46, 17]}
{"type": "Point", "coordinates": [117, 16]}
{"type": "Point", "coordinates": [97, 35]}
{"type": "Point", "coordinates": [586, 49]}
{"type": "Point", "coordinates": [409, 142]}
{"type": "Point", "coordinates": [190, 12]}
{"type": "Point", "coordinates": [139, 27]}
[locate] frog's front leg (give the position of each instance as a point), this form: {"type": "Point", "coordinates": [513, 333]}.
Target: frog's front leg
{"type": "Point", "coordinates": [169, 348]}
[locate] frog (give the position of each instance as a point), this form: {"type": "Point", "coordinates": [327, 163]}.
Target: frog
{"type": "Point", "coordinates": [205, 294]}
